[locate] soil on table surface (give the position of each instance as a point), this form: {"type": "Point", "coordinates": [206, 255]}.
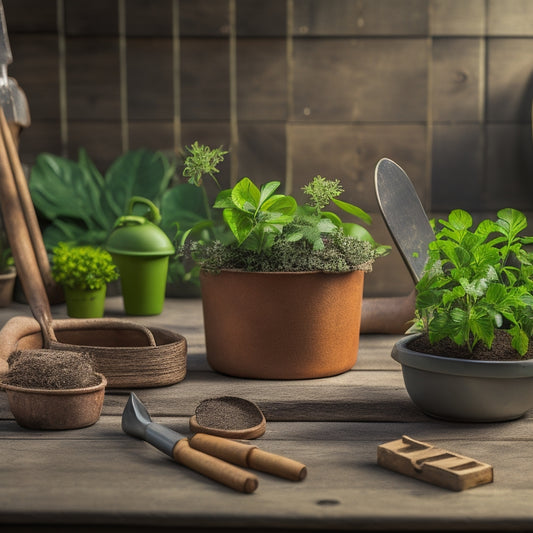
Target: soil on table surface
{"type": "Point", "coordinates": [501, 349]}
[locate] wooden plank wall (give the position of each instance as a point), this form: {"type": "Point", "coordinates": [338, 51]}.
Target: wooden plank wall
{"type": "Point", "coordinates": [293, 88]}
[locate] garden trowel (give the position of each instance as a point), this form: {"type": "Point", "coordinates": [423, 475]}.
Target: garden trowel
{"type": "Point", "coordinates": [411, 231]}
{"type": "Point", "coordinates": [404, 215]}
{"type": "Point", "coordinates": [207, 454]}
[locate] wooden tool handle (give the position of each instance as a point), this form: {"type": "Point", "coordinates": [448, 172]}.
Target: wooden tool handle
{"type": "Point", "coordinates": [249, 456]}
{"type": "Point", "coordinates": [214, 468]}
{"type": "Point", "coordinates": [276, 464]}
{"type": "Point", "coordinates": [20, 241]}
{"type": "Point", "coordinates": [53, 290]}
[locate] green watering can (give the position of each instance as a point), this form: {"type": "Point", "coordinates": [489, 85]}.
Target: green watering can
{"type": "Point", "coordinates": [141, 250]}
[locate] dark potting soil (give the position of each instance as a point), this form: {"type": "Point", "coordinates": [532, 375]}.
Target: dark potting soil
{"type": "Point", "coordinates": [51, 369]}
{"type": "Point", "coordinates": [501, 349]}
{"type": "Point", "coordinates": [229, 413]}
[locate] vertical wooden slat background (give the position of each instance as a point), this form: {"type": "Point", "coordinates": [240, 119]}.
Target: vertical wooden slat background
{"type": "Point", "coordinates": [293, 88]}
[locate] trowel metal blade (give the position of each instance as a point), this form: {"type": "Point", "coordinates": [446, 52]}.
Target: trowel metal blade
{"type": "Point", "coordinates": [12, 98]}
{"type": "Point", "coordinates": [404, 215]}
{"type": "Point", "coordinates": [136, 421]}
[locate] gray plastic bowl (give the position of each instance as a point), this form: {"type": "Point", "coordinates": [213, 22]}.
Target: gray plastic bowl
{"type": "Point", "coordinates": [463, 390]}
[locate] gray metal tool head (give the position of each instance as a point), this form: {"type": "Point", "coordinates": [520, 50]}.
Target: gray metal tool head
{"type": "Point", "coordinates": [404, 215]}
{"type": "Point", "coordinates": [136, 422]}
{"type": "Point", "coordinates": [135, 417]}
{"type": "Point", "coordinates": [12, 97]}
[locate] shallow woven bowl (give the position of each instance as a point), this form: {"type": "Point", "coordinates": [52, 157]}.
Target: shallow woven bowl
{"type": "Point", "coordinates": [115, 353]}
{"type": "Point", "coordinates": [56, 409]}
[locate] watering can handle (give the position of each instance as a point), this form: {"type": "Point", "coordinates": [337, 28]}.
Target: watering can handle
{"type": "Point", "coordinates": [153, 214]}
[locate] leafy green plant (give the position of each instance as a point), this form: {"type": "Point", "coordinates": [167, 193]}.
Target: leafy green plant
{"type": "Point", "coordinates": [77, 204]}
{"type": "Point", "coordinates": [186, 211]}
{"type": "Point", "coordinates": [202, 161]}
{"type": "Point", "coordinates": [255, 216]}
{"type": "Point", "coordinates": [82, 267]}
{"type": "Point", "coordinates": [478, 280]}
{"type": "Point", "coordinates": [271, 232]}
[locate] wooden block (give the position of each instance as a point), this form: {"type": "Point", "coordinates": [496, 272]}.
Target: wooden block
{"type": "Point", "coordinates": [434, 465]}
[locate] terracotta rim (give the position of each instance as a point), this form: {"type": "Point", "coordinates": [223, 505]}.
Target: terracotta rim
{"type": "Point", "coordinates": [58, 392]}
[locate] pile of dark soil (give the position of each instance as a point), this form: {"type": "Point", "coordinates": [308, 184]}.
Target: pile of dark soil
{"type": "Point", "coordinates": [229, 413]}
{"type": "Point", "coordinates": [51, 369]}
{"type": "Point", "coordinates": [501, 349]}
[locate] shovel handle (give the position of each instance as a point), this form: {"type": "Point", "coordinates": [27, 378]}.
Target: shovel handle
{"type": "Point", "coordinates": [249, 456]}
{"type": "Point", "coordinates": [214, 468]}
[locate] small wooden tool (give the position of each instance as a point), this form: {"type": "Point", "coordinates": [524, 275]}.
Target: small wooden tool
{"type": "Point", "coordinates": [434, 465]}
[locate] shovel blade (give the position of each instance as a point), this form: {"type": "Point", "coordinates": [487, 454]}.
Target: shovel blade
{"type": "Point", "coordinates": [404, 215]}
{"type": "Point", "coordinates": [135, 418]}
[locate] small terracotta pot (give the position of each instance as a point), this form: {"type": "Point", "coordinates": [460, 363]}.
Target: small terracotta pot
{"type": "Point", "coordinates": [282, 325]}
{"type": "Point", "coordinates": [56, 409]}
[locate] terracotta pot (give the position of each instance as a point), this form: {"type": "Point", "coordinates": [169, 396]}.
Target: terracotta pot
{"type": "Point", "coordinates": [56, 409]}
{"type": "Point", "coordinates": [7, 284]}
{"type": "Point", "coordinates": [282, 325]}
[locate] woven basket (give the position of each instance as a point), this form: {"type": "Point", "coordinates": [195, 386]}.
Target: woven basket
{"type": "Point", "coordinates": [123, 366]}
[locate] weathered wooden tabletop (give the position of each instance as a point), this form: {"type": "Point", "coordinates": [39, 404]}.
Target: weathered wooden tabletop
{"type": "Point", "coordinates": [98, 475]}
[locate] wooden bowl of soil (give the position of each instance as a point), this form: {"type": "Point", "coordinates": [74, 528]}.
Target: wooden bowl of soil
{"type": "Point", "coordinates": [53, 389]}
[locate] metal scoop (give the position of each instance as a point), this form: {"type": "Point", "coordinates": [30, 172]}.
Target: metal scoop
{"type": "Point", "coordinates": [207, 454]}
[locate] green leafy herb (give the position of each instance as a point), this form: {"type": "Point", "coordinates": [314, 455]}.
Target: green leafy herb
{"type": "Point", "coordinates": [202, 160]}
{"type": "Point", "coordinates": [255, 216]}
{"type": "Point", "coordinates": [478, 280]}
{"type": "Point", "coordinates": [271, 232]}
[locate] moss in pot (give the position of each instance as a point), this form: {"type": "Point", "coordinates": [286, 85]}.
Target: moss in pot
{"type": "Point", "coordinates": [53, 389]}
{"type": "Point", "coordinates": [470, 357]}
{"type": "Point", "coordinates": [282, 290]}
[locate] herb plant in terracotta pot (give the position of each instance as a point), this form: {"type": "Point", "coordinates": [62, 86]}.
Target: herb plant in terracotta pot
{"type": "Point", "coordinates": [282, 292]}
{"type": "Point", "coordinates": [470, 357]}
{"type": "Point", "coordinates": [84, 272]}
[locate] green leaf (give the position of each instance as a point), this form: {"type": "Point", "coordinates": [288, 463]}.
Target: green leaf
{"type": "Point", "coordinates": [136, 173]}
{"type": "Point", "coordinates": [267, 191]}
{"type": "Point", "coordinates": [335, 219]}
{"type": "Point", "coordinates": [511, 221]}
{"type": "Point", "coordinates": [239, 223]}
{"type": "Point", "coordinates": [284, 205]}
{"type": "Point", "coordinates": [246, 195]}
{"type": "Point", "coordinates": [520, 340]}
{"type": "Point", "coordinates": [353, 210]}
{"type": "Point", "coordinates": [460, 220]}
{"type": "Point", "coordinates": [224, 199]}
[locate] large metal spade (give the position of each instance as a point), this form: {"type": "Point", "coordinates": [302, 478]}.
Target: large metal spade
{"type": "Point", "coordinates": [207, 454]}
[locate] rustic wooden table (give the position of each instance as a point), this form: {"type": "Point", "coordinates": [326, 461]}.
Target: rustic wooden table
{"type": "Point", "coordinates": [98, 475]}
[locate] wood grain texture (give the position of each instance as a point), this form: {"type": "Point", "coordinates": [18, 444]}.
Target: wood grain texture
{"type": "Point", "coordinates": [447, 17]}
{"type": "Point", "coordinates": [367, 17]}
{"type": "Point", "coordinates": [262, 79]}
{"type": "Point", "coordinates": [372, 80]}
{"type": "Point", "coordinates": [102, 477]}
{"type": "Point", "coordinates": [456, 85]}
{"type": "Point", "coordinates": [149, 79]}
